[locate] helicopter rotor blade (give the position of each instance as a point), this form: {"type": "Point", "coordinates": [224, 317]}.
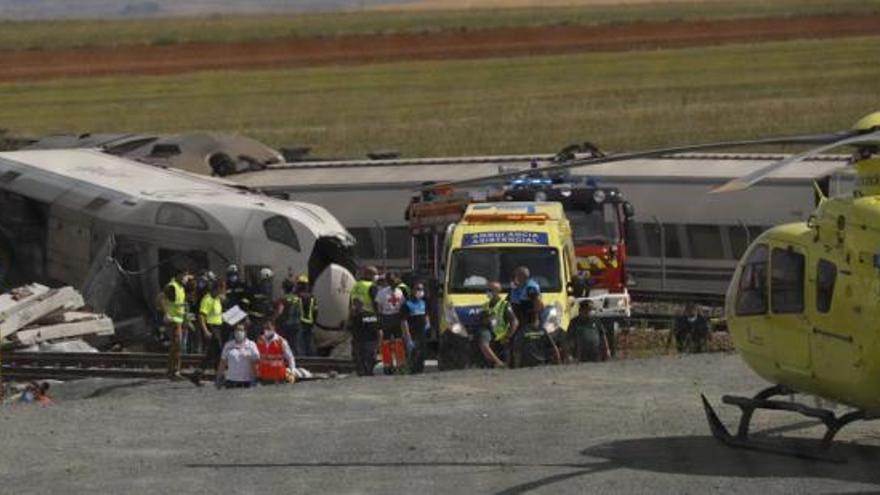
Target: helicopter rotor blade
{"type": "Point", "coordinates": [746, 181]}
{"type": "Point", "coordinates": [584, 162]}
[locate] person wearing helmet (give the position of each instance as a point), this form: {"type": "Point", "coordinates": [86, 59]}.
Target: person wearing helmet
{"type": "Point", "coordinates": [236, 291]}
{"type": "Point", "coordinates": [261, 300]}
{"type": "Point", "coordinates": [288, 311]}
{"type": "Point", "coordinates": [304, 344]}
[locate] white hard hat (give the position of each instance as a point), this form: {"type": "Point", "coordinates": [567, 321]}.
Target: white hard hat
{"type": "Point", "coordinates": [233, 268]}
{"type": "Point", "coordinates": [266, 273]}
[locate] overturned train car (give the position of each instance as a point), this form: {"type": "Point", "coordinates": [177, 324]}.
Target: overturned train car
{"type": "Point", "coordinates": [117, 229]}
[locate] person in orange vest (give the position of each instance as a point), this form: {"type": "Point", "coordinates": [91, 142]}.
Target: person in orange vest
{"type": "Point", "coordinates": [277, 364]}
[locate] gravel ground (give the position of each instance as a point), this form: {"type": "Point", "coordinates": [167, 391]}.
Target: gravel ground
{"type": "Point", "coordinates": [629, 427]}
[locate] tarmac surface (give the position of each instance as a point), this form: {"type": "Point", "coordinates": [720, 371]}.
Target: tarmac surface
{"type": "Point", "coordinates": [632, 426]}
{"type": "Point", "coordinates": [348, 50]}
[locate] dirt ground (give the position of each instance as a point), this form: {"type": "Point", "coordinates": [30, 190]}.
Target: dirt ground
{"type": "Point", "coordinates": [503, 4]}
{"type": "Point", "coordinates": [620, 427]}
{"type": "Point", "coordinates": [30, 65]}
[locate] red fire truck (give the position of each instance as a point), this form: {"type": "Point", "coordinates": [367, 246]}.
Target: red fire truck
{"type": "Point", "coordinates": [598, 217]}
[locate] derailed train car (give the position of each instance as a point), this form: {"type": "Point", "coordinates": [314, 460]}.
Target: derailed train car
{"type": "Point", "coordinates": [118, 229]}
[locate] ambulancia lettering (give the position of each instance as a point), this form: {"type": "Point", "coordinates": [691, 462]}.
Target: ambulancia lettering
{"type": "Point", "coordinates": [480, 238]}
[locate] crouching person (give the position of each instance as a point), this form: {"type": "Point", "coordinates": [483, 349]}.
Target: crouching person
{"type": "Point", "coordinates": [276, 364]}
{"type": "Point", "coordinates": [238, 361]}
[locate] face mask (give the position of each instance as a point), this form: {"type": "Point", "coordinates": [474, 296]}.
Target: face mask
{"type": "Point", "coordinates": [420, 294]}
{"type": "Point", "coordinates": [239, 336]}
{"type": "Point", "coordinates": [692, 318]}
{"type": "Point", "coordinates": [269, 334]}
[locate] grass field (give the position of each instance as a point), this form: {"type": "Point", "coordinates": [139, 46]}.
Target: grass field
{"type": "Point", "coordinates": [533, 104]}
{"type": "Point", "coordinates": [41, 35]}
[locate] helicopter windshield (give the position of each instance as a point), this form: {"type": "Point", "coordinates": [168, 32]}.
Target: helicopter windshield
{"type": "Point", "coordinates": [596, 225]}
{"type": "Point", "coordinates": [473, 269]}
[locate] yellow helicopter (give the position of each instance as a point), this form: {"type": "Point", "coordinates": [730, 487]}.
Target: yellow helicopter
{"type": "Point", "coordinates": [802, 305]}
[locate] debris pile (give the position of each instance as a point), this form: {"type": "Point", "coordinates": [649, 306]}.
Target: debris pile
{"type": "Point", "coordinates": [35, 314]}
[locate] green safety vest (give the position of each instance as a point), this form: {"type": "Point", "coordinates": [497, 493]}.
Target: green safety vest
{"type": "Point", "coordinates": [361, 292]}
{"type": "Point", "coordinates": [175, 310]}
{"type": "Point", "coordinates": [212, 308]}
{"type": "Point", "coordinates": [405, 289]}
{"type": "Point", "coordinates": [499, 318]}
{"type": "Point", "coordinates": [308, 314]}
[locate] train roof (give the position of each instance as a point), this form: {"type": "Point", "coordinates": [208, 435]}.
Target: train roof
{"type": "Point", "coordinates": [412, 173]}
{"type": "Point", "coordinates": [47, 175]}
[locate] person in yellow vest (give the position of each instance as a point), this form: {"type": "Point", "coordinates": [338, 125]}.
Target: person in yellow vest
{"type": "Point", "coordinates": [211, 325]}
{"type": "Point", "coordinates": [304, 344]}
{"type": "Point", "coordinates": [499, 324]}
{"type": "Point", "coordinates": [174, 306]}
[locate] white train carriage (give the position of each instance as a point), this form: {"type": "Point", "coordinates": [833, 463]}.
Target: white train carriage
{"type": "Point", "coordinates": [119, 228]}
{"type": "Point", "coordinates": [681, 241]}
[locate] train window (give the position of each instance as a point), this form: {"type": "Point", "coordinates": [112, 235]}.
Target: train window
{"type": "Point", "coordinates": [751, 298]}
{"type": "Point", "coordinates": [174, 215]}
{"type": "Point", "coordinates": [653, 235]}
{"type": "Point", "coordinates": [365, 248]}
{"type": "Point", "coordinates": [705, 241]}
{"type": "Point", "coordinates": [826, 276]}
{"type": "Point", "coordinates": [786, 281]}
{"type": "Point", "coordinates": [633, 246]}
{"type": "Point", "coordinates": [278, 229]}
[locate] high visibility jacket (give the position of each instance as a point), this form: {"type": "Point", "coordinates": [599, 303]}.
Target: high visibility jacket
{"type": "Point", "coordinates": [361, 292]}
{"type": "Point", "coordinates": [272, 366]}
{"type": "Point", "coordinates": [405, 289]}
{"type": "Point", "coordinates": [212, 309]}
{"type": "Point", "coordinates": [500, 325]}
{"type": "Point", "coordinates": [175, 310]}
{"type": "Point", "coordinates": [308, 309]}
{"type": "Point", "coordinates": [292, 313]}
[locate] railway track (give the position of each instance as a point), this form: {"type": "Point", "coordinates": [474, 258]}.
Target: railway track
{"type": "Point", "coordinates": [141, 365]}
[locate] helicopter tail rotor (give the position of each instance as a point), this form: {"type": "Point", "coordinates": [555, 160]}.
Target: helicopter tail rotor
{"type": "Point", "coordinates": [748, 406]}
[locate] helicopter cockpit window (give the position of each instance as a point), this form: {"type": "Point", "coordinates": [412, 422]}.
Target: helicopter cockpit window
{"type": "Point", "coordinates": [826, 276]}
{"type": "Point", "coordinates": [278, 229]}
{"type": "Point", "coordinates": [787, 281]}
{"type": "Point", "coordinates": [752, 296]}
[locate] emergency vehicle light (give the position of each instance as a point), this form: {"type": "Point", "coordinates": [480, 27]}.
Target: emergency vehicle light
{"type": "Point", "coordinates": [507, 217]}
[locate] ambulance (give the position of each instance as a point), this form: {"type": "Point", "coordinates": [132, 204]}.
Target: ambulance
{"type": "Point", "coordinates": [488, 244]}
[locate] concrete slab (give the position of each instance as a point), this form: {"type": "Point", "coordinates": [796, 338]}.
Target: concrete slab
{"type": "Point", "coordinates": [90, 325]}
{"type": "Point", "coordinates": [33, 308]}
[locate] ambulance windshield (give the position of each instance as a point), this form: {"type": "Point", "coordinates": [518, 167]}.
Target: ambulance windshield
{"type": "Point", "coordinates": [473, 268]}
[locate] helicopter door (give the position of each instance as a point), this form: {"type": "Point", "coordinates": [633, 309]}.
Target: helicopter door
{"type": "Point", "coordinates": [790, 328]}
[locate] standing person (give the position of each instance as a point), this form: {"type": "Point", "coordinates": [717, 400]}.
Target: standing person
{"type": "Point", "coordinates": [364, 327]}
{"type": "Point", "coordinates": [415, 326]}
{"type": "Point", "coordinates": [305, 340]}
{"type": "Point", "coordinates": [238, 361]}
{"type": "Point", "coordinates": [691, 330]}
{"type": "Point", "coordinates": [211, 327]}
{"type": "Point", "coordinates": [588, 335]}
{"type": "Point", "coordinates": [260, 301]}
{"type": "Point", "coordinates": [389, 299]}
{"type": "Point", "coordinates": [525, 298]}
{"type": "Point", "coordinates": [277, 364]}
{"type": "Point", "coordinates": [504, 323]}
{"type": "Point", "coordinates": [288, 311]}
{"type": "Point", "coordinates": [174, 306]}
{"type": "Point", "coordinates": [236, 291]}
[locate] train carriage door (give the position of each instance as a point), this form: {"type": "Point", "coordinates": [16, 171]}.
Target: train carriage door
{"type": "Point", "coordinates": [790, 328]}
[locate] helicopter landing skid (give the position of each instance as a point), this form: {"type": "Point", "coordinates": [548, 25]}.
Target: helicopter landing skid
{"type": "Point", "coordinates": [762, 400]}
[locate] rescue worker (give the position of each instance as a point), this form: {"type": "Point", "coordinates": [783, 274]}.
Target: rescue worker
{"type": "Point", "coordinates": [305, 340]}
{"type": "Point", "coordinates": [691, 330]}
{"type": "Point", "coordinates": [529, 339]}
{"type": "Point", "coordinates": [365, 289]}
{"type": "Point", "coordinates": [394, 280]}
{"type": "Point", "coordinates": [389, 300]}
{"type": "Point", "coordinates": [238, 361]}
{"type": "Point", "coordinates": [288, 311]}
{"type": "Point", "coordinates": [174, 306]}
{"type": "Point", "coordinates": [503, 324]}
{"type": "Point", "coordinates": [261, 305]}
{"type": "Point", "coordinates": [236, 291]}
{"type": "Point", "coordinates": [587, 334]}
{"type": "Point", "coordinates": [415, 326]}
{"type": "Point", "coordinates": [277, 364]}
{"type": "Point", "coordinates": [211, 327]}
{"type": "Point", "coordinates": [364, 327]}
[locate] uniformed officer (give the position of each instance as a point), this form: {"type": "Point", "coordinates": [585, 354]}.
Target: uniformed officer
{"type": "Point", "coordinates": [288, 311]}
{"type": "Point", "coordinates": [588, 335]}
{"type": "Point", "coordinates": [304, 344]}
{"type": "Point", "coordinates": [503, 323]}
{"type": "Point", "coordinates": [414, 319]}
